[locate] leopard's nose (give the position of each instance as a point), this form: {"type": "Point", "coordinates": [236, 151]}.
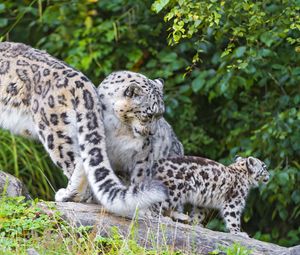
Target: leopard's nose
{"type": "Point", "coordinates": [266, 178]}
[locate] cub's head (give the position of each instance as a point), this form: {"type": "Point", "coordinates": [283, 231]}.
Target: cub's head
{"type": "Point", "coordinates": [134, 100]}
{"type": "Point", "coordinates": [257, 169]}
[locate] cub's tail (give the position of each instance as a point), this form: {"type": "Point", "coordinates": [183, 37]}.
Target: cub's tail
{"type": "Point", "coordinates": [106, 186]}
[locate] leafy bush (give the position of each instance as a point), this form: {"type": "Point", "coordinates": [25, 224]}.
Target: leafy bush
{"type": "Point", "coordinates": [232, 78]}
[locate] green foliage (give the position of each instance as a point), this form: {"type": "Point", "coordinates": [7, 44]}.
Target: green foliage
{"type": "Point", "coordinates": [13, 223]}
{"type": "Point", "coordinates": [234, 249]}
{"type": "Point", "coordinates": [28, 161]}
{"type": "Point", "coordinates": [25, 225]}
{"type": "Point", "coordinates": [232, 80]}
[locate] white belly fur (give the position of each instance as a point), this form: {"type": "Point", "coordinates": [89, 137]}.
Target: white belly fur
{"type": "Point", "coordinates": [121, 151]}
{"type": "Point", "coordinates": [18, 122]}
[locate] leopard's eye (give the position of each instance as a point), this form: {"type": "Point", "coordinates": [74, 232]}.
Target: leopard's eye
{"type": "Point", "coordinates": [158, 115]}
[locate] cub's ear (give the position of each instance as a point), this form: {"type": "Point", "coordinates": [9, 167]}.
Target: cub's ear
{"type": "Point", "coordinates": [132, 90]}
{"type": "Point", "coordinates": [251, 161]}
{"type": "Point", "coordinates": [250, 164]}
{"type": "Point", "coordinates": [237, 158]}
{"type": "Point", "coordinates": [159, 82]}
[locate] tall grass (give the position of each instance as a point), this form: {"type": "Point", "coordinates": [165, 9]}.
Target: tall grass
{"type": "Point", "coordinates": [27, 160]}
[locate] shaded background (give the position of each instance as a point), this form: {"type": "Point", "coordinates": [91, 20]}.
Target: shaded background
{"type": "Point", "coordinates": [232, 84]}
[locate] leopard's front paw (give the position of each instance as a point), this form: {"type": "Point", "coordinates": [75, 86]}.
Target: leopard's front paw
{"type": "Point", "coordinates": [61, 195]}
{"type": "Point", "coordinates": [64, 195]}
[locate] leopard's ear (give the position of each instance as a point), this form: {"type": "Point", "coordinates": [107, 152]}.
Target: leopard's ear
{"type": "Point", "coordinates": [159, 82]}
{"type": "Point", "coordinates": [250, 162]}
{"type": "Point", "coordinates": [132, 90]}
{"type": "Point", "coordinates": [237, 158]}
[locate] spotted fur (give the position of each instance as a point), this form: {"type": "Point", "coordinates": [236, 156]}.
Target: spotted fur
{"type": "Point", "coordinates": [136, 132]}
{"type": "Point", "coordinates": [207, 184]}
{"type": "Point", "coordinates": [44, 98]}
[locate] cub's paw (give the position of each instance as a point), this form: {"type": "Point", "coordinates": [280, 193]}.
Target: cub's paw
{"type": "Point", "coordinates": [180, 217]}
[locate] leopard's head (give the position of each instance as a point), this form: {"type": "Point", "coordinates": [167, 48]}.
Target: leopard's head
{"type": "Point", "coordinates": [257, 170]}
{"type": "Point", "coordinates": [134, 100]}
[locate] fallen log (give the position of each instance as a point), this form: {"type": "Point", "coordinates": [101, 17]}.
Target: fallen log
{"type": "Point", "coordinates": [163, 232]}
{"type": "Point", "coordinates": [154, 233]}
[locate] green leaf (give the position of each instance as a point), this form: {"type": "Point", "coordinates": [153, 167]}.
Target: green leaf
{"type": "Point", "coordinates": [296, 196]}
{"type": "Point", "coordinates": [296, 71]}
{"type": "Point", "coordinates": [2, 7]}
{"type": "Point", "coordinates": [168, 57]}
{"type": "Point", "coordinates": [283, 214]}
{"type": "Point", "coordinates": [224, 82]}
{"type": "Point", "coordinates": [158, 5]}
{"type": "Point", "coordinates": [239, 52]}
{"type": "Point", "coordinates": [199, 82]}
{"type": "Point", "coordinates": [266, 53]}
{"type": "Point", "coordinates": [3, 22]}
{"type": "Point", "coordinates": [267, 38]}
{"type": "Point", "coordinates": [88, 22]}
{"type": "Point", "coordinates": [283, 178]}
{"type": "Point", "coordinates": [278, 66]}
{"type": "Point", "coordinates": [134, 56]}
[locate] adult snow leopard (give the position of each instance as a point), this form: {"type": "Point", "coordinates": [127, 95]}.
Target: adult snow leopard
{"type": "Point", "coordinates": [44, 98]}
{"type": "Point", "coordinates": [134, 138]}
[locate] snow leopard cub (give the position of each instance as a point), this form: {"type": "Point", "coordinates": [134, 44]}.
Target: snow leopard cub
{"type": "Point", "coordinates": [205, 183]}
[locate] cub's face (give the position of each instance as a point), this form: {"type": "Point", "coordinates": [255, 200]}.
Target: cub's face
{"type": "Point", "coordinates": [134, 99]}
{"type": "Point", "coordinates": [257, 170]}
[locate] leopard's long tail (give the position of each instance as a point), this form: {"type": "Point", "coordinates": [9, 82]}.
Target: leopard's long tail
{"type": "Point", "coordinates": [106, 186]}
